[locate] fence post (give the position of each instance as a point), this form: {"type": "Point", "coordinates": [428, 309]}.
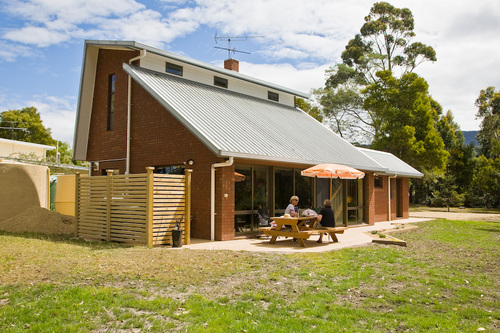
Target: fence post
{"type": "Point", "coordinates": [187, 214]}
{"type": "Point", "coordinates": [149, 205]}
{"type": "Point", "coordinates": [109, 184]}
{"type": "Point", "coordinates": [77, 202]}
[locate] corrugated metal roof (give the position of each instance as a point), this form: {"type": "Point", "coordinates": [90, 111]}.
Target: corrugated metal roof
{"type": "Point", "coordinates": [394, 165]}
{"type": "Point", "coordinates": [238, 125]}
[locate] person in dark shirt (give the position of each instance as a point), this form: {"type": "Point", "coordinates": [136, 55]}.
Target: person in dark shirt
{"type": "Point", "coordinates": [326, 218]}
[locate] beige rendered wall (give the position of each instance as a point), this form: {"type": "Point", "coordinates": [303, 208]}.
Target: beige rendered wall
{"type": "Point", "coordinates": [12, 149]}
{"type": "Point", "coordinates": [22, 186]}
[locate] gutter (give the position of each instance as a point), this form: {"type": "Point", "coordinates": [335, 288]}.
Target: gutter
{"type": "Point", "coordinates": [229, 162]}
{"type": "Point", "coordinates": [129, 109]}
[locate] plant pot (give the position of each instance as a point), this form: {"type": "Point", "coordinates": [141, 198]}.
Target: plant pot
{"type": "Point", "coordinates": [176, 238]}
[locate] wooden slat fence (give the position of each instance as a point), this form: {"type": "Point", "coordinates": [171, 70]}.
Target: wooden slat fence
{"type": "Point", "coordinates": [140, 209]}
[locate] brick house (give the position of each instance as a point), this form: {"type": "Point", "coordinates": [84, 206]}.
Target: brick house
{"type": "Point", "coordinates": [243, 138]}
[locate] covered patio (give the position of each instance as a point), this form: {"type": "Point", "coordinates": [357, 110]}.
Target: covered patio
{"type": "Point", "coordinates": [353, 237]}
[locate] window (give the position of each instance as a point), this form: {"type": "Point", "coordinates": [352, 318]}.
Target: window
{"type": "Point", "coordinates": [111, 101]}
{"type": "Point", "coordinates": [273, 96]}
{"type": "Point", "coordinates": [173, 69]}
{"type": "Point", "coordinates": [378, 182]}
{"type": "Point", "coordinates": [220, 82]}
{"type": "Point", "coordinates": [169, 170]}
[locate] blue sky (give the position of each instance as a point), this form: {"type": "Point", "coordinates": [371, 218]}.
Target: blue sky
{"type": "Point", "coordinates": [41, 44]}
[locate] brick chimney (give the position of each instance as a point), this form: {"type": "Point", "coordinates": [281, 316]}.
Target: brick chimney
{"type": "Point", "coordinates": [232, 65]}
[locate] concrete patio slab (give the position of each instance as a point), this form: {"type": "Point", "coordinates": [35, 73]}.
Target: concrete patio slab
{"type": "Point", "coordinates": [353, 237]}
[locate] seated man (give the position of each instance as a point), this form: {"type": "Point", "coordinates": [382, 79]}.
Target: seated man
{"type": "Point", "coordinates": [326, 218]}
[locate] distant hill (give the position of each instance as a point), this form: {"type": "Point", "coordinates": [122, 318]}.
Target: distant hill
{"type": "Point", "coordinates": [470, 136]}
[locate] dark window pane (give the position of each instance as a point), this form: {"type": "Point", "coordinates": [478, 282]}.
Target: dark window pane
{"type": "Point", "coordinates": [283, 188]}
{"type": "Point", "coordinates": [111, 102]}
{"type": "Point", "coordinates": [303, 189]}
{"type": "Point", "coordinates": [173, 69]}
{"type": "Point", "coordinates": [273, 96]}
{"type": "Point", "coordinates": [243, 190]}
{"type": "Point", "coordinates": [169, 170]}
{"type": "Point", "coordinates": [260, 188]}
{"type": "Point", "coordinates": [220, 82]}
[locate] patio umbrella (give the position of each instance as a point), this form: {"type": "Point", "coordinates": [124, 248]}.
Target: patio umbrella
{"type": "Point", "coordinates": [331, 170]}
{"type": "Point", "coordinates": [238, 177]}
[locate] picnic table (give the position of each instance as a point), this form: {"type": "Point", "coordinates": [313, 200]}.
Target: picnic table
{"type": "Point", "coordinates": [297, 228]}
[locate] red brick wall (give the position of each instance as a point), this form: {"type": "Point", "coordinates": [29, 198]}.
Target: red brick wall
{"type": "Point", "coordinates": [381, 201]}
{"type": "Point", "coordinates": [157, 139]}
{"type": "Point", "coordinates": [104, 144]}
{"type": "Point", "coordinates": [369, 198]}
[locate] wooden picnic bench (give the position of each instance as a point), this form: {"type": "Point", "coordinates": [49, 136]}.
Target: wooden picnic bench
{"type": "Point", "coordinates": [296, 228]}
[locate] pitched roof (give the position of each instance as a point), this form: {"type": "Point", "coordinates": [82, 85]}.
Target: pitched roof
{"type": "Point", "coordinates": [393, 164]}
{"type": "Point", "coordinates": [238, 125]}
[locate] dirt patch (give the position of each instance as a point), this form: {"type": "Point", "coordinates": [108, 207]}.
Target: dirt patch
{"type": "Point", "coordinates": [40, 220]}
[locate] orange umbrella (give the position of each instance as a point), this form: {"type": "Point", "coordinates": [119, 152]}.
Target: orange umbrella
{"type": "Point", "coordinates": [330, 170]}
{"type": "Point", "coordinates": [238, 177]}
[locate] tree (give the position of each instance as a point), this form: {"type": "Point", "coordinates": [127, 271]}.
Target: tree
{"type": "Point", "coordinates": [384, 44]}
{"type": "Point", "coordinates": [488, 104]}
{"type": "Point", "coordinates": [460, 164]}
{"type": "Point", "coordinates": [485, 186]}
{"type": "Point", "coordinates": [29, 124]}
{"type": "Point", "coordinates": [29, 127]}
{"type": "Point", "coordinates": [446, 194]}
{"type": "Point", "coordinates": [311, 110]}
{"type": "Point", "coordinates": [405, 120]}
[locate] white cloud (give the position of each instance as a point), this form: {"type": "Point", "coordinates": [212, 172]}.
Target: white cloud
{"type": "Point", "coordinates": [58, 114]}
{"type": "Point", "coordinates": [10, 51]}
{"type": "Point", "coordinates": [38, 36]}
{"type": "Point", "coordinates": [298, 78]}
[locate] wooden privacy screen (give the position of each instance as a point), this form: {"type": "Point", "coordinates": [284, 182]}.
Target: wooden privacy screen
{"type": "Point", "coordinates": [140, 209]}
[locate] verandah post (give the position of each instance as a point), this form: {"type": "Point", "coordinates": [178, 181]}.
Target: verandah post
{"type": "Point", "coordinates": [149, 205]}
{"type": "Point", "coordinates": [187, 214]}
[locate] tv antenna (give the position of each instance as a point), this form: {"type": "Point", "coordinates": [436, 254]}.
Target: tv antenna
{"type": "Point", "coordinates": [232, 39]}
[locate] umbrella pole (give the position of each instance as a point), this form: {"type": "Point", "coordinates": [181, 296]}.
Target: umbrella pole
{"type": "Point", "coordinates": [331, 188]}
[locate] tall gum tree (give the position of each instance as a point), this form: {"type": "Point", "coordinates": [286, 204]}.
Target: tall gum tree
{"type": "Point", "coordinates": [385, 43]}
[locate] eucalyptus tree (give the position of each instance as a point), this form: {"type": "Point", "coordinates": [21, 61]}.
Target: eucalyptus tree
{"type": "Point", "coordinates": [488, 104]}
{"type": "Point", "coordinates": [385, 43]}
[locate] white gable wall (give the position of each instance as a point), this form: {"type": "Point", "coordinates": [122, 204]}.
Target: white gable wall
{"type": "Point", "coordinates": [190, 72]}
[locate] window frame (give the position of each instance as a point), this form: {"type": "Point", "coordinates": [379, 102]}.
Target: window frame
{"type": "Point", "coordinates": [272, 96]}
{"type": "Point", "coordinates": [221, 82]}
{"type": "Point", "coordinates": [174, 69]}
{"type": "Point", "coordinates": [111, 102]}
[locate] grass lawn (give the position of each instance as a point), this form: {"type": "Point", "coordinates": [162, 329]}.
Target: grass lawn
{"type": "Point", "coordinates": [446, 280]}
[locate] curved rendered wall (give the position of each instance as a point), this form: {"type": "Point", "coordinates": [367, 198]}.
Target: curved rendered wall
{"type": "Point", "coordinates": [22, 186]}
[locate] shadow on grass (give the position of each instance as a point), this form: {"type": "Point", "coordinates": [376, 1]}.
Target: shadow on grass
{"type": "Point", "coordinates": [493, 229]}
{"type": "Point", "coordinates": [67, 239]}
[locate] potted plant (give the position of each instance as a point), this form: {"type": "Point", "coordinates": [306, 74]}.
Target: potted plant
{"type": "Point", "coordinates": [177, 233]}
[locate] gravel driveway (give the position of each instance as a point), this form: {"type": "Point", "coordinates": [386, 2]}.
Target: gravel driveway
{"type": "Point", "coordinates": [457, 215]}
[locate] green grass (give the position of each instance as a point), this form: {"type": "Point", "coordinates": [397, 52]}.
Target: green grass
{"type": "Point", "coordinates": [446, 280]}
